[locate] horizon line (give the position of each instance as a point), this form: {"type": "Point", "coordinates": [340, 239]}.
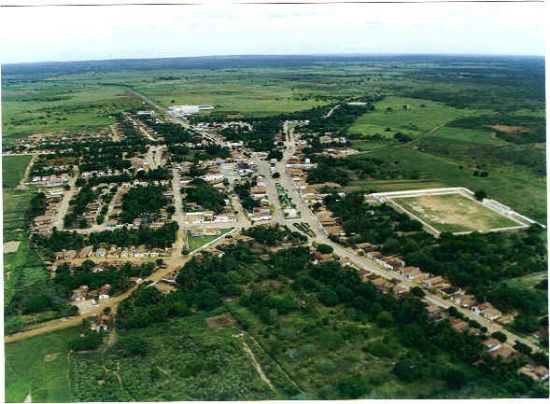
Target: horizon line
{"type": "Point", "coordinates": [277, 55]}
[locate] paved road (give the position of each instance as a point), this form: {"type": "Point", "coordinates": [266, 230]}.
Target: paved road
{"type": "Point", "coordinates": [179, 215]}
{"type": "Point", "coordinates": [264, 170]}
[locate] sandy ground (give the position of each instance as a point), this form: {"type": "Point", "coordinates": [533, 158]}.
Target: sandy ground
{"type": "Point", "coordinates": [510, 129]}
{"type": "Point", "coordinates": [452, 210]}
{"type": "Point", "coordinates": [11, 246]}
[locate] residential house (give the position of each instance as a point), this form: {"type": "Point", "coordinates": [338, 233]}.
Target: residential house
{"type": "Point", "coordinates": [65, 255]}
{"type": "Point", "coordinates": [492, 344]}
{"type": "Point", "coordinates": [101, 252]}
{"type": "Point", "coordinates": [504, 352]}
{"type": "Point", "coordinates": [433, 281]}
{"type": "Point", "coordinates": [103, 292]}
{"type": "Point", "coordinates": [537, 373]}
{"type": "Point", "coordinates": [458, 324]}
{"type": "Point", "coordinates": [411, 273]}
{"type": "Point", "coordinates": [86, 252]}
{"type": "Point", "coordinates": [486, 310]}
{"type": "Point", "coordinates": [394, 262]}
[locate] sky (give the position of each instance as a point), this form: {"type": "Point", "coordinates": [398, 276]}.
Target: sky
{"type": "Point", "coordinates": [87, 33]}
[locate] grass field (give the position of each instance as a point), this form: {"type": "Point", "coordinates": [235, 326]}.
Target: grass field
{"type": "Point", "coordinates": [197, 242]}
{"type": "Point", "coordinates": [29, 369]}
{"type": "Point", "coordinates": [16, 201]}
{"type": "Point", "coordinates": [453, 213]}
{"type": "Point", "coordinates": [13, 168]}
{"type": "Point", "coordinates": [409, 116]}
{"type": "Point", "coordinates": [22, 269]}
{"type": "Point", "coordinates": [60, 107]}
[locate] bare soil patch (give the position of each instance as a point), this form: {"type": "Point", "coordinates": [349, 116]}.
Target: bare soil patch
{"type": "Point", "coordinates": [510, 128]}
{"type": "Point", "coordinates": [11, 246]}
{"type": "Point", "coordinates": [51, 357]}
{"type": "Point", "coordinates": [221, 321]}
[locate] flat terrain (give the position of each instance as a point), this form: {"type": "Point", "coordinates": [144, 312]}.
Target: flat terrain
{"type": "Point", "coordinates": [410, 116]}
{"type": "Point", "coordinates": [263, 322]}
{"type": "Point", "coordinates": [57, 108]}
{"type": "Point", "coordinates": [506, 183]}
{"type": "Point", "coordinates": [454, 213]}
{"type": "Point", "coordinates": [39, 366]}
{"type": "Point", "coordinates": [16, 201]}
{"type": "Point", "coordinates": [187, 360]}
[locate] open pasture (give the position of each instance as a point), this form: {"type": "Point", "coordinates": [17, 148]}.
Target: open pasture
{"type": "Point", "coordinates": [409, 116]}
{"type": "Point", "coordinates": [59, 108]}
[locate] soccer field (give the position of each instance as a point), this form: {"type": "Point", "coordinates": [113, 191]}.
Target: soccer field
{"type": "Point", "coordinates": [453, 213]}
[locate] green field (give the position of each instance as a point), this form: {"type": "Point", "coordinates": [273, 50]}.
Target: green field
{"type": "Point", "coordinates": [13, 168]}
{"type": "Point", "coordinates": [410, 116]}
{"type": "Point", "coordinates": [57, 108]}
{"type": "Point", "coordinates": [453, 213]}
{"type": "Point", "coordinates": [29, 369]}
{"type": "Point", "coordinates": [197, 242]}
{"type": "Point", "coordinates": [16, 201]}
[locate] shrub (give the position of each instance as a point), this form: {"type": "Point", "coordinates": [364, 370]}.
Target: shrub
{"type": "Point", "coordinates": [325, 249]}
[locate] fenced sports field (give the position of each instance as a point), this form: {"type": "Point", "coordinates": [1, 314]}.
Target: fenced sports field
{"type": "Point", "coordinates": [453, 210]}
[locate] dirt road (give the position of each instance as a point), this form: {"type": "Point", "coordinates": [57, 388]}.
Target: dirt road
{"type": "Point", "coordinates": [64, 205]}
{"type": "Point", "coordinates": [25, 178]}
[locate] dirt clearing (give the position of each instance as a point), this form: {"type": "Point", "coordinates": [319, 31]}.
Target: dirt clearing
{"type": "Point", "coordinates": [11, 246]}
{"type": "Point", "coordinates": [510, 128]}
{"type": "Point", "coordinates": [51, 357]}
{"type": "Point", "coordinates": [221, 321]}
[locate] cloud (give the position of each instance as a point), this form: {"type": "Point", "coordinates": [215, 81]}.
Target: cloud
{"type": "Point", "coordinates": [70, 33]}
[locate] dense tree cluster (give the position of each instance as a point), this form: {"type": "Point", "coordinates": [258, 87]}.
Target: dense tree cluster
{"type": "Point", "coordinates": [142, 202]}
{"type": "Point", "coordinates": [205, 195]}
{"type": "Point", "coordinates": [339, 121]}
{"type": "Point", "coordinates": [201, 286]}
{"type": "Point", "coordinates": [275, 235]}
{"type": "Point", "coordinates": [247, 201]}
{"type": "Point", "coordinates": [171, 132]}
{"type": "Point", "coordinates": [59, 240]}
{"type": "Point", "coordinates": [79, 203]}
{"type": "Point", "coordinates": [161, 237]}
{"type": "Point", "coordinates": [90, 341]}
{"type": "Point", "coordinates": [342, 170]}
{"type": "Point", "coordinates": [531, 129]}
{"type": "Point", "coordinates": [37, 206]}
{"type": "Point", "coordinates": [148, 306]}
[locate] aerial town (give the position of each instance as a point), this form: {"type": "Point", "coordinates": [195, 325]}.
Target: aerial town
{"type": "Point", "coordinates": [332, 226]}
